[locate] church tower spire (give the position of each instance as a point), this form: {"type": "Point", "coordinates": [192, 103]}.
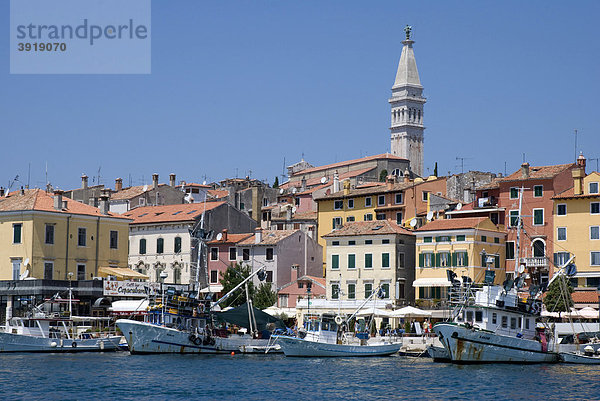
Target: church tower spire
{"type": "Point", "coordinates": [407, 109]}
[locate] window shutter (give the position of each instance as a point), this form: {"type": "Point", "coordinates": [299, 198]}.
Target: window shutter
{"type": "Point", "coordinates": [438, 239]}
{"type": "Point", "coordinates": [421, 260]}
{"type": "Point", "coordinates": [437, 260]}
{"type": "Point", "coordinates": [482, 260]}
{"type": "Point", "coordinates": [466, 259]}
{"type": "Point", "coordinates": [555, 258]}
{"type": "Point", "coordinates": [497, 260]}
{"type": "Point", "coordinates": [454, 259]}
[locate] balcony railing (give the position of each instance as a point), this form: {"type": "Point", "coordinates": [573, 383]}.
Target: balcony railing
{"type": "Point", "coordinates": [535, 262]}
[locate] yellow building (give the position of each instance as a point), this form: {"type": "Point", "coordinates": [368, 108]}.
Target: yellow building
{"type": "Point", "coordinates": [577, 226]}
{"type": "Point", "coordinates": [467, 246]}
{"type": "Point", "coordinates": [48, 236]}
{"type": "Point", "coordinates": [399, 202]}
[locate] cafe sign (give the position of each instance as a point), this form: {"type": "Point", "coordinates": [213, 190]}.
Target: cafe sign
{"type": "Point", "coordinates": [129, 288]}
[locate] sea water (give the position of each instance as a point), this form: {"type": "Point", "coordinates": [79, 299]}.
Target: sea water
{"type": "Point", "coordinates": [121, 376]}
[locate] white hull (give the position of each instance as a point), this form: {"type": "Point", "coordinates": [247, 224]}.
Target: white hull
{"type": "Point", "coordinates": [293, 346]}
{"type": "Point", "coordinates": [147, 338]}
{"type": "Point", "coordinates": [476, 346]}
{"type": "Point", "coordinates": [439, 354]}
{"type": "Point", "coordinates": [579, 358]}
{"type": "Point", "coordinates": [22, 343]}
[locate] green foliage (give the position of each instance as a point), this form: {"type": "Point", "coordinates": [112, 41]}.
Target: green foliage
{"type": "Point", "coordinates": [264, 296]}
{"type": "Point", "coordinates": [435, 170]}
{"type": "Point", "coordinates": [407, 327]}
{"type": "Point", "coordinates": [554, 298]}
{"type": "Point", "coordinates": [383, 175]}
{"type": "Point", "coordinates": [235, 274]}
{"type": "Point", "coordinates": [276, 183]}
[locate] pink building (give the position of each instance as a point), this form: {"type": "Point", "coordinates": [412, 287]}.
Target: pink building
{"type": "Point", "coordinates": [299, 288]}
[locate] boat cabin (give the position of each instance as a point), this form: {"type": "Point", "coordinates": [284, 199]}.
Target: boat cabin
{"type": "Point", "coordinates": [321, 328]}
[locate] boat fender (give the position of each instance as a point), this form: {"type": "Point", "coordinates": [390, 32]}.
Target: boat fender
{"type": "Point", "coordinates": [206, 341]}
{"type": "Point", "coordinates": [74, 344]}
{"type": "Point", "coordinates": [454, 334]}
{"type": "Point", "coordinates": [192, 338]}
{"type": "Point", "coordinates": [338, 320]}
{"type": "Point", "coordinates": [212, 341]}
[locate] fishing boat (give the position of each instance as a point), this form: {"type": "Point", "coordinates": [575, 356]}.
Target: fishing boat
{"type": "Point", "coordinates": [589, 356]}
{"type": "Point", "coordinates": [438, 354]}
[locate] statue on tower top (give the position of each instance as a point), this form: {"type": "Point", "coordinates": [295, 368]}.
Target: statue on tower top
{"type": "Point", "coordinates": [408, 29]}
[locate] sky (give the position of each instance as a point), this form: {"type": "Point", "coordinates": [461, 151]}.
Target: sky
{"type": "Point", "coordinates": [243, 88]}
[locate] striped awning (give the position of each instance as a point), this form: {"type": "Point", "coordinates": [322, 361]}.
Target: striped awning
{"type": "Point", "coordinates": [431, 282]}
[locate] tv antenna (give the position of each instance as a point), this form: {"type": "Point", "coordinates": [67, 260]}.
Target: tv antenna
{"type": "Point", "coordinates": [596, 159]}
{"type": "Point", "coordinates": [462, 163]}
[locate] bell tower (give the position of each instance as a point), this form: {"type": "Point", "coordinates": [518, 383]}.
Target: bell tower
{"type": "Point", "coordinates": [407, 109]}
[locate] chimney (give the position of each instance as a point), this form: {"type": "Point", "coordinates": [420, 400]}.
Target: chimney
{"type": "Point", "coordinates": [172, 180]}
{"type": "Point", "coordinates": [346, 187]}
{"type": "Point", "coordinates": [389, 182]}
{"type": "Point", "coordinates": [578, 175]}
{"type": "Point", "coordinates": [84, 181]}
{"type": "Point", "coordinates": [154, 181]}
{"type": "Point", "coordinates": [288, 213]}
{"type": "Point", "coordinates": [257, 199]}
{"type": "Point", "coordinates": [103, 204]}
{"type": "Point", "coordinates": [1, 192]}
{"type": "Point", "coordinates": [406, 176]}
{"type": "Point", "coordinates": [58, 203]}
{"type": "Point", "coordinates": [224, 235]}
{"type": "Point", "coordinates": [336, 182]}
{"type": "Point", "coordinates": [22, 190]}
{"type": "Point", "coordinates": [303, 184]}
{"type": "Point", "coordinates": [258, 235]}
{"type": "Point", "coordinates": [525, 170]}
{"type": "Point", "coordinates": [118, 184]}
{"type": "Point", "coordinates": [295, 269]}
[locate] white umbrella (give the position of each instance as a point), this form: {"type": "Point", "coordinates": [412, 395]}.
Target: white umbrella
{"type": "Point", "coordinates": [410, 311]}
{"type": "Point", "coordinates": [585, 313]}
{"type": "Point", "coordinates": [377, 312]}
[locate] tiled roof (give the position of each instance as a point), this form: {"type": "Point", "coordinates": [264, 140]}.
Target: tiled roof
{"type": "Point", "coordinates": [570, 193]}
{"type": "Point", "coordinates": [372, 190]}
{"type": "Point", "coordinates": [585, 297]}
{"type": "Point", "coordinates": [375, 227]}
{"type": "Point", "coordinates": [168, 213]}
{"type": "Point", "coordinates": [453, 224]}
{"type": "Point", "coordinates": [37, 199]}
{"type": "Point", "coordinates": [538, 172]}
{"type": "Point", "coordinates": [269, 237]}
{"type": "Point", "coordinates": [349, 162]}
{"type": "Point", "coordinates": [310, 215]}
{"type": "Point", "coordinates": [194, 185]}
{"type": "Point", "coordinates": [316, 181]}
{"type": "Point", "coordinates": [132, 192]}
{"type": "Point", "coordinates": [231, 239]}
{"type": "Point", "coordinates": [218, 193]}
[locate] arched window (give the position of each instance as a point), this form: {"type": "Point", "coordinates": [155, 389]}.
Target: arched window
{"type": "Point", "coordinates": [177, 275]}
{"type": "Point", "coordinates": [539, 248]}
{"type": "Point", "coordinates": [142, 246]}
{"type": "Point", "coordinates": [177, 244]}
{"type": "Point", "coordinates": [419, 116]}
{"type": "Point", "coordinates": [160, 245]}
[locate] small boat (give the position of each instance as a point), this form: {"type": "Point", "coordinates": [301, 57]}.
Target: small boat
{"type": "Point", "coordinates": [587, 357]}
{"type": "Point", "coordinates": [439, 354]}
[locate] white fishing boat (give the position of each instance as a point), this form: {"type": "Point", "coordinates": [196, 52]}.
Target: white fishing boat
{"type": "Point", "coordinates": [589, 356]}
{"type": "Point", "coordinates": [438, 354]}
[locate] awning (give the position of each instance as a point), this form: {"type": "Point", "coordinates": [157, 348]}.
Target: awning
{"type": "Point", "coordinates": [431, 282]}
{"type": "Point", "coordinates": [121, 272]}
{"type": "Point", "coordinates": [214, 288]}
{"type": "Point", "coordinates": [411, 311]}
{"type": "Point", "coordinates": [129, 307]}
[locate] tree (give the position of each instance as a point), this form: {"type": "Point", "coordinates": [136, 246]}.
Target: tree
{"type": "Point", "coordinates": [435, 170]}
{"type": "Point", "coordinates": [383, 175]}
{"type": "Point", "coordinates": [276, 183]}
{"type": "Point", "coordinates": [264, 296]}
{"type": "Point", "coordinates": [554, 299]}
{"type": "Point", "coordinates": [235, 274]}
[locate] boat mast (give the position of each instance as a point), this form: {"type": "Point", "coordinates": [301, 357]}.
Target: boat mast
{"type": "Point", "coordinates": [518, 245]}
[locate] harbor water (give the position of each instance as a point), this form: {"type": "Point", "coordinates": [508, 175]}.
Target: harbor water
{"type": "Point", "coordinates": [120, 376]}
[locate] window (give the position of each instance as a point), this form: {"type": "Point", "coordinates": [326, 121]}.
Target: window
{"type": "Point", "coordinates": [368, 201]}
{"type": "Point", "coordinates": [400, 294]}
{"type": "Point", "coordinates": [350, 203]}
{"type": "Point", "coordinates": [17, 229]}
{"type": "Point", "coordinates": [160, 245]}
{"type": "Point", "coordinates": [368, 290]}
{"type": "Point", "coordinates": [114, 239]}
{"type": "Point", "coordinates": [214, 276]}
{"type": "Point", "coordinates": [460, 238]}
{"type": "Point", "coordinates": [426, 259]}
{"type": "Point", "coordinates": [335, 291]}
{"type": "Point", "coordinates": [142, 246]}
{"type": "Point", "coordinates": [483, 238]}
{"type": "Point", "coordinates": [81, 236]}
{"type": "Point", "coordinates": [504, 322]}
{"type": "Point", "coordinates": [246, 254]}
{"type": "Point", "coordinates": [351, 291]}
{"type": "Point", "coordinates": [444, 238]}
{"type": "Point", "coordinates": [593, 187]}
{"type": "Point", "coordinates": [595, 258]}
{"type": "Point", "coordinates": [561, 210]}
{"type": "Point", "coordinates": [514, 218]}
{"type": "Point", "coordinates": [368, 217]}
{"type": "Point", "coordinates": [335, 261]}
{"type": "Point", "coordinates": [269, 253]}
{"type": "Point", "coordinates": [494, 318]}
{"type": "Point", "coordinates": [381, 200]}
{"type": "Point", "coordinates": [352, 242]}
{"type": "Point", "coordinates": [349, 219]}
{"type": "Point", "coordinates": [265, 202]}
{"type": "Point", "coordinates": [80, 272]}
{"type": "Point", "coordinates": [297, 201]}
{"type": "Point", "coordinates": [48, 270]}
{"type": "Point", "coordinates": [385, 288]}
{"type": "Point", "coordinates": [232, 254]}
{"type": "Point", "coordinates": [399, 218]}
{"type": "Point", "coordinates": [514, 193]}
{"type": "Point", "coordinates": [401, 260]}
{"type": "Point", "coordinates": [368, 242]}
{"type": "Point", "coordinates": [513, 323]}
{"type": "Point", "coordinates": [538, 191]}
{"type": "Point", "coordinates": [242, 206]}
{"type": "Point", "coordinates": [510, 250]}
{"type": "Point", "coordinates": [538, 217]}
{"type": "Point", "coordinates": [496, 240]}
{"type": "Point", "coordinates": [595, 232]}
{"type": "Point", "coordinates": [49, 238]}
{"type": "Point", "coordinates": [427, 239]}
{"type": "Point", "coordinates": [561, 258]}
{"type": "Point", "coordinates": [385, 241]}
{"type": "Point", "coordinates": [526, 324]}
{"type": "Point", "coordinates": [338, 205]}
{"type": "Point", "coordinates": [444, 259]}
{"type": "Point", "coordinates": [424, 196]}
{"type": "Point", "coordinates": [269, 278]}
{"type": "Point", "coordinates": [380, 216]}
{"type": "Point", "coordinates": [177, 245]}
{"type": "Point", "coordinates": [336, 222]}
{"type": "Point", "coordinates": [478, 316]}
{"type": "Point", "coordinates": [595, 208]}
{"type": "Point", "coordinates": [561, 233]}
{"type": "Point", "coordinates": [335, 243]}
{"type": "Point", "coordinates": [461, 259]}
{"type": "Point", "coordinates": [399, 198]}
{"type": "Point", "coordinates": [351, 261]}
{"type": "Point", "coordinates": [385, 260]}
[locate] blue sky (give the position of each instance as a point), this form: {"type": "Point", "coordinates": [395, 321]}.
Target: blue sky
{"type": "Point", "coordinates": [239, 86]}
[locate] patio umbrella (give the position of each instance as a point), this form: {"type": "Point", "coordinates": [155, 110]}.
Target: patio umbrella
{"type": "Point", "coordinates": [410, 311]}
{"type": "Point", "coordinates": [377, 312]}
{"type": "Point", "coordinates": [585, 313]}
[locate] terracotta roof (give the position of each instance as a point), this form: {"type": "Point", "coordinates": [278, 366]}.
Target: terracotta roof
{"type": "Point", "coordinates": [372, 190]}
{"type": "Point", "coordinates": [231, 239]}
{"type": "Point", "coordinates": [453, 224]}
{"type": "Point", "coordinates": [495, 183]}
{"type": "Point", "coordinates": [132, 192]}
{"type": "Point", "coordinates": [218, 193]}
{"type": "Point", "coordinates": [375, 227]}
{"type": "Point", "coordinates": [310, 215]}
{"type": "Point", "coordinates": [193, 184]}
{"type": "Point", "coordinates": [167, 213]}
{"type": "Point", "coordinates": [585, 297]}
{"type": "Point", "coordinates": [316, 181]}
{"type": "Point", "coordinates": [570, 193]}
{"type": "Point", "coordinates": [37, 199]}
{"type": "Point", "coordinates": [269, 237]}
{"type": "Point", "coordinates": [538, 172]}
{"type": "Point", "coordinates": [349, 162]}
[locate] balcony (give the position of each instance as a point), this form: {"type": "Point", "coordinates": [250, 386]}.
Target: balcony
{"type": "Point", "coordinates": [536, 262]}
{"type": "Point", "coordinates": [490, 201]}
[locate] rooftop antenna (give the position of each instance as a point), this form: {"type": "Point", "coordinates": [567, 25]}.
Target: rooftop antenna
{"type": "Point", "coordinates": [130, 180]}
{"type": "Point", "coordinates": [597, 158]}
{"type": "Point", "coordinates": [28, 174]}
{"type": "Point", "coordinates": [98, 182]}
{"type": "Point", "coordinates": [523, 157]}
{"type": "Point", "coordinates": [575, 145]}
{"type": "Point", "coordinates": [505, 168]}
{"type": "Point", "coordinates": [283, 174]}
{"type": "Point", "coordinates": [462, 163]}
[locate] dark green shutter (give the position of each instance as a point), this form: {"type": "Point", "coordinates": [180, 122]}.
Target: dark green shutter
{"type": "Point", "coordinates": [497, 260]}
{"type": "Point", "coordinates": [421, 260]}
{"type": "Point", "coordinates": [437, 260]}
{"type": "Point", "coordinates": [454, 259]}
{"type": "Point", "coordinates": [482, 260]}
{"type": "Point", "coordinates": [466, 259]}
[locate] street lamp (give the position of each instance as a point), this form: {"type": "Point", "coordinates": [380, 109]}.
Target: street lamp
{"type": "Point", "coordinates": [70, 276]}
{"type": "Point", "coordinates": [163, 276]}
{"type": "Point", "coordinates": [308, 295]}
